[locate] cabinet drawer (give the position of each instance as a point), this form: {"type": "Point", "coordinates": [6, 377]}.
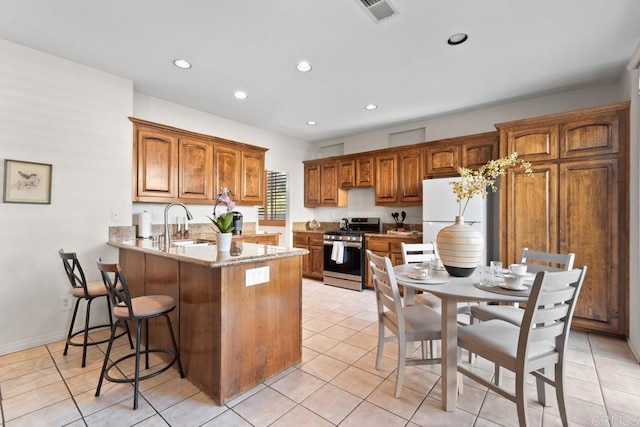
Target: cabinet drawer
{"type": "Point", "coordinates": [300, 239]}
{"type": "Point", "coordinates": [378, 246]}
{"type": "Point", "coordinates": [315, 239]}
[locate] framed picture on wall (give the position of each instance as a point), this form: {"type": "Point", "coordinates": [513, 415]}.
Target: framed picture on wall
{"type": "Point", "coordinates": [27, 182]}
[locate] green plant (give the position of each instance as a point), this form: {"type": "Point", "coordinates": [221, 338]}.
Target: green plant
{"type": "Point", "coordinates": [478, 182]}
{"type": "Point", "coordinates": [223, 223]}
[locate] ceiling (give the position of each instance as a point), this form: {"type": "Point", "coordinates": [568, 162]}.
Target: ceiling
{"type": "Point", "coordinates": [515, 50]}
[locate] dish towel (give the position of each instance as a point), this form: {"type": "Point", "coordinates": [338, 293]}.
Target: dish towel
{"type": "Point", "coordinates": [337, 252]}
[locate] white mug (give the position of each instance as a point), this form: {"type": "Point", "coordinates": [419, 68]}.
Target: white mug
{"type": "Point", "coordinates": [519, 269]}
{"type": "Point", "coordinates": [421, 272]}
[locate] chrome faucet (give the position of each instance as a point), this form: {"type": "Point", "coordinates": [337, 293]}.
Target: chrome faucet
{"type": "Point", "coordinates": [166, 221]}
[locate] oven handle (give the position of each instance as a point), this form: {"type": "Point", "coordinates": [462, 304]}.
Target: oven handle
{"type": "Point", "coordinates": [346, 244]}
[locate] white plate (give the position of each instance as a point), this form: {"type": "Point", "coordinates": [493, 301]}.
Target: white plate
{"type": "Point", "coordinates": [504, 286]}
{"type": "Point", "coordinates": [430, 281]}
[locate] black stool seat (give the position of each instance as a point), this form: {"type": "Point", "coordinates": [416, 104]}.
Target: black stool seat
{"type": "Point", "coordinates": [88, 292]}
{"type": "Point", "coordinates": [139, 310]}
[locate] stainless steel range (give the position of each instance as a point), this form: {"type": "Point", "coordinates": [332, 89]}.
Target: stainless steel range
{"type": "Point", "coordinates": [344, 252]}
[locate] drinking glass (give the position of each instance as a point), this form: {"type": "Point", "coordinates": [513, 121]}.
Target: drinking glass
{"type": "Point", "coordinates": [496, 269]}
{"type": "Point", "coordinates": [486, 277]}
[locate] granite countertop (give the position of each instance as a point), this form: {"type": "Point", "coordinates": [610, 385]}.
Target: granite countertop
{"type": "Point", "coordinates": [207, 255]}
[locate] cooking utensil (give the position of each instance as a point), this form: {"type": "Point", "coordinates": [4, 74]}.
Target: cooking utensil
{"type": "Point", "coordinates": [404, 215]}
{"type": "Point", "coordinates": [395, 216]}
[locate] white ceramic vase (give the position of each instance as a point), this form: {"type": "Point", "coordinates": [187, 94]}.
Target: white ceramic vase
{"type": "Point", "coordinates": [460, 246]}
{"type": "Point", "coordinates": [223, 241]}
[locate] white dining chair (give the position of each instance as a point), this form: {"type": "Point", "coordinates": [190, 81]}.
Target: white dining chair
{"type": "Point", "coordinates": [535, 261]}
{"type": "Point", "coordinates": [416, 253]}
{"type": "Point", "coordinates": [539, 343]}
{"type": "Point", "coordinates": [406, 324]}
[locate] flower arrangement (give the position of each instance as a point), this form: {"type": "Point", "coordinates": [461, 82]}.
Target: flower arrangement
{"type": "Point", "coordinates": [223, 223]}
{"type": "Point", "coordinates": [482, 180]}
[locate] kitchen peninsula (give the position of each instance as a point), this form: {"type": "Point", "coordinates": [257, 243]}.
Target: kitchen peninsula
{"type": "Point", "coordinates": [238, 317]}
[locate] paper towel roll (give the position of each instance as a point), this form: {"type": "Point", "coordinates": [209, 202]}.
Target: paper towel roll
{"type": "Point", "coordinates": [144, 225]}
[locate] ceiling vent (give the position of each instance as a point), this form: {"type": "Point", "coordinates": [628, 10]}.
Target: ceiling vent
{"type": "Point", "coordinates": [379, 10]}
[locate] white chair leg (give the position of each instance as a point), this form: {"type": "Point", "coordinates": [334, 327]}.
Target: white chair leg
{"type": "Point", "coordinates": [380, 345]}
{"type": "Point", "coordinates": [560, 393]}
{"type": "Point", "coordinates": [402, 358]}
{"type": "Point", "coordinates": [521, 398]}
{"type": "Point", "coordinates": [496, 375]}
{"type": "Point", "coordinates": [540, 387]}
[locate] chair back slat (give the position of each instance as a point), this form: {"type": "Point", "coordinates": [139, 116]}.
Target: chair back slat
{"type": "Point", "coordinates": [537, 261]}
{"type": "Point", "coordinates": [418, 252]}
{"type": "Point", "coordinates": [550, 309]}
{"type": "Point", "coordinates": [74, 271]}
{"type": "Point", "coordinates": [386, 289]}
{"type": "Point", "coordinates": [117, 288]}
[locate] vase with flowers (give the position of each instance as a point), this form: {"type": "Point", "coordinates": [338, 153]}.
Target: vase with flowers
{"type": "Point", "coordinates": [460, 245]}
{"type": "Point", "coordinates": [222, 223]}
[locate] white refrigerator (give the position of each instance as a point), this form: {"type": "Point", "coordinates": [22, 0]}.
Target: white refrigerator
{"type": "Point", "coordinates": [440, 208]}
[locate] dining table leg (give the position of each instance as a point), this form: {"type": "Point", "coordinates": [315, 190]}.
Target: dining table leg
{"type": "Point", "coordinates": [449, 353]}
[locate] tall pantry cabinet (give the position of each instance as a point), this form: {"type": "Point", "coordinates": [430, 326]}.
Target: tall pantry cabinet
{"type": "Point", "coordinates": [576, 201]}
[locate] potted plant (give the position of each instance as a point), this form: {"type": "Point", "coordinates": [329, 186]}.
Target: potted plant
{"type": "Point", "coordinates": [460, 245]}
{"type": "Point", "coordinates": [222, 223]}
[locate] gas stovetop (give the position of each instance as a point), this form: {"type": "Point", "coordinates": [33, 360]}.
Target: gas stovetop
{"type": "Point", "coordinates": [355, 229]}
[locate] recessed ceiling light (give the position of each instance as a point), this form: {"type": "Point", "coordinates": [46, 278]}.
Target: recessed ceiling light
{"type": "Point", "coordinates": [181, 63]}
{"type": "Point", "coordinates": [311, 123]}
{"type": "Point", "coordinates": [370, 107]}
{"type": "Point", "coordinates": [240, 94]}
{"type": "Point", "coordinates": [457, 39]}
{"type": "Point", "coordinates": [303, 66]}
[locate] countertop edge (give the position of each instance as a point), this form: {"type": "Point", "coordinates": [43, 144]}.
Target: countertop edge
{"type": "Point", "coordinates": [225, 261]}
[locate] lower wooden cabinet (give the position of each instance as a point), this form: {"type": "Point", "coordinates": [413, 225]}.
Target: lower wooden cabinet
{"type": "Point", "coordinates": [384, 245]}
{"type": "Point", "coordinates": [313, 263]}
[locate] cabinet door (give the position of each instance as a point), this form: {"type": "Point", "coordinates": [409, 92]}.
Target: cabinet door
{"type": "Point", "coordinates": [533, 143]}
{"type": "Point", "coordinates": [531, 212]}
{"type": "Point", "coordinates": [194, 170]}
{"type": "Point", "coordinates": [410, 177]}
{"type": "Point", "coordinates": [312, 185]}
{"type": "Point", "coordinates": [301, 241]}
{"type": "Point", "coordinates": [442, 160]}
{"type": "Point", "coordinates": [364, 171]}
{"type": "Point", "coordinates": [330, 194]}
{"type": "Point", "coordinates": [226, 166]}
{"type": "Point", "coordinates": [590, 135]}
{"type": "Point", "coordinates": [386, 178]}
{"type": "Point", "coordinates": [590, 213]}
{"type": "Point", "coordinates": [253, 179]}
{"type": "Point", "coordinates": [316, 263]}
{"type": "Point", "coordinates": [476, 154]}
{"type": "Point", "coordinates": [346, 173]}
{"type": "Point", "coordinates": [157, 164]}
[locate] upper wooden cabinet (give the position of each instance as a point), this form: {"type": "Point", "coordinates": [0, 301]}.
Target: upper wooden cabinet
{"type": "Point", "coordinates": [194, 169]}
{"type": "Point", "coordinates": [410, 176]}
{"type": "Point", "coordinates": [576, 202]}
{"type": "Point", "coordinates": [445, 156]}
{"type": "Point", "coordinates": [386, 178]}
{"type": "Point", "coordinates": [356, 172]}
{"type": "Point", "coordinates": [321, 184]}
{"type": "Point", "coordinates": [172, 165]}
{"type": "Point", "coordinates": [156, 162]}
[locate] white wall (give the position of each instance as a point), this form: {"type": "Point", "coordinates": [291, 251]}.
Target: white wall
{"type": "Point", "coordinates": [285, 155]}
{"type": "Point", "coordinates": [75, 118]}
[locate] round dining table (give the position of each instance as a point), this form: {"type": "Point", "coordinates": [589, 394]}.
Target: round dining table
{"type": "Point", "coordinates": [452, 290]}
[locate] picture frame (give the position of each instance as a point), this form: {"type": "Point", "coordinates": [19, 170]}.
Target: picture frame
{"type": "Point", "coordinates": [27, 182]}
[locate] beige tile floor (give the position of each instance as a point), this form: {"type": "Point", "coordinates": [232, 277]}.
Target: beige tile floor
{"type": "Point", "coordinates": [335, 384]}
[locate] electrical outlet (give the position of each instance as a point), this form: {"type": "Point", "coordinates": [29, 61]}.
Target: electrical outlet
{"type": "Point", "coordinates": [255, 276]}
{"type": "Point", "coordinates": [65, 302]}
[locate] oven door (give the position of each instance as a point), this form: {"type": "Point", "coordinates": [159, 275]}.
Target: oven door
{"type": "Point", "coordinates": [348, 274]}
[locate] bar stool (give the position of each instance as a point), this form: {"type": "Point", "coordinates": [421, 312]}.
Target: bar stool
{"type": "Point", "coordinates": [139, 310]}
{"type": "Point", "coordinates": [88, 292]}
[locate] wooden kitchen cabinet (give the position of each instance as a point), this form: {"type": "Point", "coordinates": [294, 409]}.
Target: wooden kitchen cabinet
{"type": "Point", "coordinates": [321, 184]}
{"type": "Point", "coordinates": [384, 245]}
{"type": "Point", "coordinates": [575, 202]}
{"type": "Point", "coordinates": [313, 263]}
{"type": "Point", "coordinates": [444, 157]}
{"type": "Point", "coordinates": [260, 239]}
{"type": "Point", "coordinates": [386, 187]}
{"type": "Point", "coordinates": [194, 169]}
{"type": "Point", "coordinates": [410, 176]}
{"type": "Point", "coordinates": [175, 165]}
{"type": "Point", "coordinates": [155, 164]}
{"type": "Point", "coordinates": [355, 172]}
